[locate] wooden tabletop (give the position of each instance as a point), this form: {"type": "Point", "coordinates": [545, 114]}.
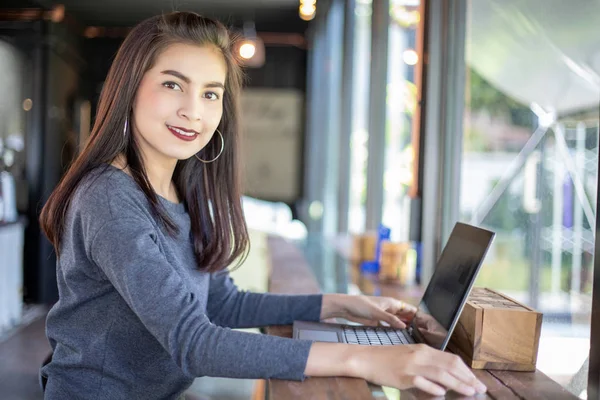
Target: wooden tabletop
{"type": "Point", "coordinates": [291, 274]}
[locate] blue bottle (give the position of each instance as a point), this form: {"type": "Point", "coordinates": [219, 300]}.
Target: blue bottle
{"type": "Point", "coordinates": [372, 267]}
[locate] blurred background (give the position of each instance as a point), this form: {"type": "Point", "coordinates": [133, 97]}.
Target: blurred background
{"type": "Point", "coordinates": [414, 113]}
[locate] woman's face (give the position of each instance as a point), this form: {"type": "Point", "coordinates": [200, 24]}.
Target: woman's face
{"type": "Point", "coordinates": [179, 103]}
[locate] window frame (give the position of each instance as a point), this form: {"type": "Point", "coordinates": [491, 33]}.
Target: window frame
{"type": "Point", "coordinates": [593, 391]}
{"type": "Point", "coordinates": [441, 149]}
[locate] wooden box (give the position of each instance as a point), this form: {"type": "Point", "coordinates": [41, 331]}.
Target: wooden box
{"type": "Point", "coordinates": [497, 332]}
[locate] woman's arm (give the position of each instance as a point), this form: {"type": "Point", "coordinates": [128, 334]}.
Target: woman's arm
{"type": "Point", "coordinates": [232, 308]}
{"type": "Point", "coordinates": [229, 307]}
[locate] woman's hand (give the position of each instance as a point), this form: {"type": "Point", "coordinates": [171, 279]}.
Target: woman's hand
{"type": "Point", "coordinates": [416, 365]}
{"type": "Point", "coordinates": [401, 367]}
{"type": "Point", "coordinates": [367, 310]}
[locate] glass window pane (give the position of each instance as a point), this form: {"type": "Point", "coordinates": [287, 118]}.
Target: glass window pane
{"type": "Point", "coordinates": [360, 120]}
{"type": "Point", "coordinates": [401, 105]}
{"type": "Point", "coordinates": [529, 164]}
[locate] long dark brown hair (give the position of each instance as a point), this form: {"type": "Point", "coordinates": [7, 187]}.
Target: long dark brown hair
{"type": "Point", "coordinates": [211, 192]}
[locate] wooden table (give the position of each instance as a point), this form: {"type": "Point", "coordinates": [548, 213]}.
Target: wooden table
{"type": "Point", "coordinates": [291, 274]}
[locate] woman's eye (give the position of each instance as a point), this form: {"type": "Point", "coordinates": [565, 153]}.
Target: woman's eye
{"type": "Point", "coordinates": [172, 85]}
{"type": "Point", "coordinates": [211, 96]}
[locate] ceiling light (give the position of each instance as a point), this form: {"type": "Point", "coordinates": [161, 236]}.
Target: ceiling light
{"type": "Point", "coordinates": [307, 11]}
{"type": "Point", "coordinates": [27, 104]}
{"type": "Point", "coordinates": [251, 48]}
{"type": "Point", "coordinates": [58, 13]}
{"type": "Point", "coordinates": [410, 57]}
{"type": "Point", "coordinates": [247, 50]}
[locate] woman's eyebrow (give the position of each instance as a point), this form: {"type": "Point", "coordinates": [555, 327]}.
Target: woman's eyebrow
{"type": "Point", "coordinates": [176, 74]}
{"type": "Point", "coordinates": [215, 85]}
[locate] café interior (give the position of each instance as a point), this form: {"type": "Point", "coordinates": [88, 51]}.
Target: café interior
{"type": "Point", "coordinates": [370, 129]}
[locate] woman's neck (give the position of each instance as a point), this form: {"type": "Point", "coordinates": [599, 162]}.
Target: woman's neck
{"type": "Point", "coordinates": [159, 174]}
{"type": "Point", "coordinates": [161, 179]}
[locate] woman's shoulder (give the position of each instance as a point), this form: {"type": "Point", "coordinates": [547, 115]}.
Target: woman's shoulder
{"type": "Point", "coordinates": [109, 193]}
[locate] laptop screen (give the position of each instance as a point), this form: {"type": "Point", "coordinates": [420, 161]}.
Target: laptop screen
{"type": "Point", "coordinates": [450, 284]}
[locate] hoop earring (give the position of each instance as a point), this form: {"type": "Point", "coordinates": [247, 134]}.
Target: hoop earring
{"type": "Point", "coordinates": [126, 126]}
{"type": "Point", "coordinates": [220, 151]}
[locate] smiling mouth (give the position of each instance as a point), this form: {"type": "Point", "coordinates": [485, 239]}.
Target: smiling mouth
{"type": "Point", "coordinates": [182, 131]}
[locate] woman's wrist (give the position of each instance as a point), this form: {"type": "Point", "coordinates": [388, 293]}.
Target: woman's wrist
{"type": "Point", "coordinates": [355, 360]}
{"type": "Point", "coordinates": [335, 359]}
{"type": "Point", "coordinates": [332, 306]}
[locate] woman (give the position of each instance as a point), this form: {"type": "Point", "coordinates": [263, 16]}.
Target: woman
{"type": "Point", "coordinates": [144, 224]}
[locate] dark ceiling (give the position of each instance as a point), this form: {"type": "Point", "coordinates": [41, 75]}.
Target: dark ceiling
{"type": "Point", "coordinates": [268, 15]}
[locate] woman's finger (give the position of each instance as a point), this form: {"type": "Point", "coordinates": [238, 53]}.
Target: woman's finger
{"type": "Point", "coordinates": [399, 307]}
{"type": "Point", "coordinates": [393, 305]}
{"type": "Point", "coordinates": [364, 321]}
{"type": "Point", "coordinates": [405, 314]}
{"type": "Point", "coordinates": [446, 379]}
{"type": "Point", "coordinates": [407, 308]}
{"type": "Point", "coordinates": [391, 319]}
{"type": "Point", "coordinates": [428, 386]}
{"type": "Point", "coordinates": [459, 369]}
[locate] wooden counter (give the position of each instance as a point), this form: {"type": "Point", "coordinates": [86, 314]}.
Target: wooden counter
{"type": "Point", "coordinates": [291, 274]}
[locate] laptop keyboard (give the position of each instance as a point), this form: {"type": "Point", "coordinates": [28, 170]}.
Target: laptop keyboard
{"type": "Point", "coordinates": [372, 336]}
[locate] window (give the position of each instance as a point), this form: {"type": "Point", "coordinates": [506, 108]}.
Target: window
{"type": "Point", "coordinates": [529, 164]}
{"type": "Point", "coordinates": [360, 122]}
{"type": "Point", "coordinates": [401, 104]}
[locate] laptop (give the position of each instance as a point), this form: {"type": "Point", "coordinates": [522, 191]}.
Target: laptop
{"type": "Point", "coordinates": [439, 309]}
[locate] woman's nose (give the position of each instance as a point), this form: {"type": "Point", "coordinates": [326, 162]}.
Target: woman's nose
{"type": "Point", "coordinates": [193, 110]}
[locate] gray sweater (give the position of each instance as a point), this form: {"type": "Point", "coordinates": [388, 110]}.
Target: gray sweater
{"type": "Point", "coordinates": [135, 318]}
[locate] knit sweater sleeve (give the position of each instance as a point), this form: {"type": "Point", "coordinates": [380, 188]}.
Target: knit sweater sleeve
{"type": "Point", "coordinates": [233, 308]}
